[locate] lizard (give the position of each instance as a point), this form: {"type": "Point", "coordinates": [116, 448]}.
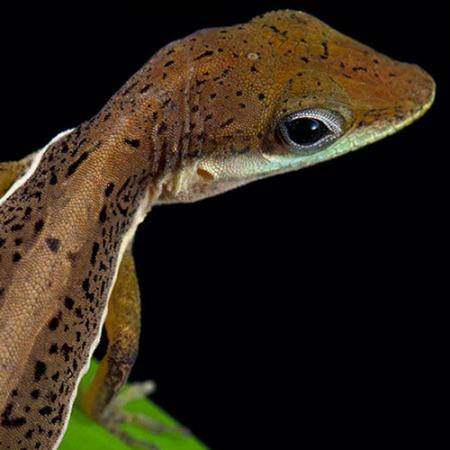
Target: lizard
{"type": "Point", "coordinates": [206, 114]}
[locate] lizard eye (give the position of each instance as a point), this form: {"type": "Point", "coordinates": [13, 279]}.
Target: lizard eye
{"type": "Point", "coordinates": [310, 130]}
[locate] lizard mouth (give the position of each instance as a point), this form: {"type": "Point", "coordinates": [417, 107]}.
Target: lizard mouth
{"type": "Point", "coordinates": [405, 101]}
{"type": "Point", "coordinates": [394, 106]}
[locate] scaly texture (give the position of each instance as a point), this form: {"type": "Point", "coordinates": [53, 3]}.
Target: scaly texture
{"type": "Point", "coordinates": [201, 117]}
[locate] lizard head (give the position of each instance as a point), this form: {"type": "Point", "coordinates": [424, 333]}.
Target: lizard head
{"type": "Point", "coordinates": [280, 93]}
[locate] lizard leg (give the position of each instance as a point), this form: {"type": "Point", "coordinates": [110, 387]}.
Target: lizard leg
{"type": "Point", "coordinates": [102, 401]}
{"type": "Point", "coordinates": [10, 171]}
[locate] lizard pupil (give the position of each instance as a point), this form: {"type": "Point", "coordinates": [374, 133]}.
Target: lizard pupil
{"type": "Point", "coordinates": [306, 130]}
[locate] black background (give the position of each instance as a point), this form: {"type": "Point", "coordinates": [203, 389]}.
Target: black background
{"type": "Point", "coordinates": [297, 311]}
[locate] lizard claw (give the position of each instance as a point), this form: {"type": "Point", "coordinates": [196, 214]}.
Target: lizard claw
{"type": "Point", "coordinates": [115, 417]}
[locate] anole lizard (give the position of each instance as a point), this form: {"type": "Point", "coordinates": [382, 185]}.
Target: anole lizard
{"type": "Point", "coordinates": [206, 114]}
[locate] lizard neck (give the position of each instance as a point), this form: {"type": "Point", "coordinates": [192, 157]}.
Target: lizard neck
{"type": "Point", "coordinates": [64, 229]}
{"type": "Point", "coordinates": [84, 194]}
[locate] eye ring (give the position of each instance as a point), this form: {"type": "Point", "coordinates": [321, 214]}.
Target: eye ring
{"type": "Point", "coordinates": [310, 130]}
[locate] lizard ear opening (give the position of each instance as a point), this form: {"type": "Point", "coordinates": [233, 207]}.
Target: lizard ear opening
{"type": "Point", "coordinates": [310, 130]}
{"type": "Point", "coordinates": [205, 174]}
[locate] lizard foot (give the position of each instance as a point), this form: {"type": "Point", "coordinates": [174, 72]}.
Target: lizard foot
{"type": "Point", "coordinates": [114, 417]}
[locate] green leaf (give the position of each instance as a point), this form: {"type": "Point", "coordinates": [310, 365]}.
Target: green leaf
{"type": "Point", "coordinates": [82, 432]}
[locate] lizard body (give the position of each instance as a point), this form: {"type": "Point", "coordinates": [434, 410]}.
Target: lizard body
{"type": "Point", "coordinates": [208, 113]}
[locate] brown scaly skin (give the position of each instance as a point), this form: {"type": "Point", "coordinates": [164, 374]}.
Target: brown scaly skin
{"type": "Point", "coordinates": [198, 119]}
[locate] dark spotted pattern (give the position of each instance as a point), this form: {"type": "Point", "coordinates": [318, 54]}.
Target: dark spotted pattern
{"type": "Point", "coordinates": [53, 244]}
{"type": "Point", "coordinates": [34, 411]}
{"type": "Point", "coordinates": [218, 93]}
